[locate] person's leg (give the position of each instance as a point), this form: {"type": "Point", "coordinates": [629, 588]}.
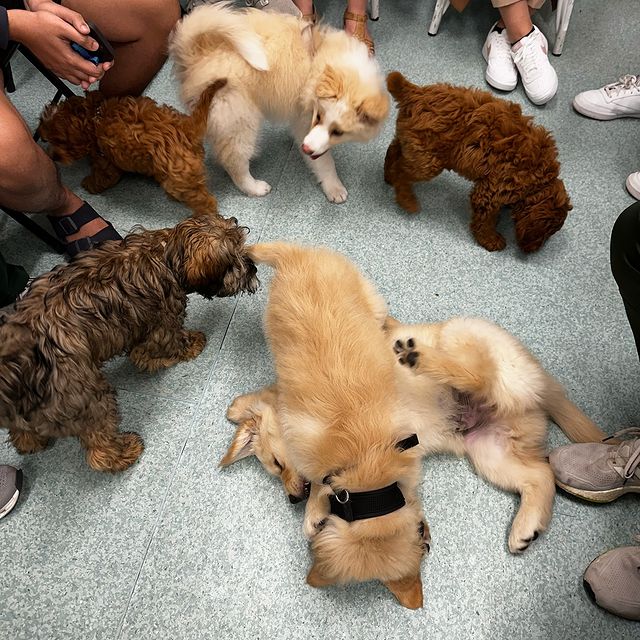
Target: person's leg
{"type": "Point", "coordinates": [625, 264]}
{"type": "Point", "coordinates": [515, 17]}
{"type": "Point", "coordinates": [29, 180]}
{"type": "Point", "coordinates": [529, 49]}
{"type": "Point", "coordinates": [138, 31]}
{"type": "Point", "coordinates": [355, 26]}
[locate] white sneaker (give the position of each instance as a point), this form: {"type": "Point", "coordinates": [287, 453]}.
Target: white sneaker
{"type": "Point", "coordinates": [501, 72]}
{"type": "Point", "coordinates": [617, 100]}
{"type": "Point", "coordinates": [538, 76]}
{"type": "Point", "coordinates": [633, 185]}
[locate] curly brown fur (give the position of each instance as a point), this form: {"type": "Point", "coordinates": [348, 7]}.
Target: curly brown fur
{"type": "Point", "coordinates": [126, 296]}
{"type": "Point", "coordinates": [134, 135]}
{"type": "Point", "coordinates": [512, 162]}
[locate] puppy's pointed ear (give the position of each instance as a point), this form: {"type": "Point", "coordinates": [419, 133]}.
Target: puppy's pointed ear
{"type": "Point", "coordinates": [373, 109]}
{"type": "Point", "coordinates": [407, 590]}
{"type": "Point", "coordinates": [330, 83]}
{"type": "Point", "coordinates": [243, 443]}
{"type": "Point", "coordinates": [316, 578]}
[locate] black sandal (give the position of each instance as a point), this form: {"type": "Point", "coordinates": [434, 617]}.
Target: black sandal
{"type": "Point", "coordinates": [64, 226]}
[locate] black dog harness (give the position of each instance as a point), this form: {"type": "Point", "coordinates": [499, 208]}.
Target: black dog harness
{"type": "Point", "coordinates": [371, 504]}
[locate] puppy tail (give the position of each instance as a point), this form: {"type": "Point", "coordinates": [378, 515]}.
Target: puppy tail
{"type": "Point", "coordinates": [397, 84]}
{"type": "Point", "coordinates": [200, 113]}
{"type": "Point", "coordinates": [576, 425]}
{"type": "Point", "coordinates": [273, 253]}
{"type": "Point", "coordinates": [205, 26]}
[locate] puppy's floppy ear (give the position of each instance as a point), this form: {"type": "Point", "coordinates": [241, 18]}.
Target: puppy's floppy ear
{"type": "Point", "coordinates": [330, 83]}
{"type": "Point", "coordinates": [316, 578]}
{"type": "Point", "coordinates": [373, 109]}
{"type": "Point", "coordinates": [242, 445]}
{"type": "Point", "coordinates": [407, 590]}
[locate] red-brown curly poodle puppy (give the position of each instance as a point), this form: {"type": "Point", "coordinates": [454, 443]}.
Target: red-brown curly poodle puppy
{"type": "Point", "coordinates": [134, 135]}
{"type": "Point", "coordinates": [126, 296]}
{"type": "Point", "coordinates": [512, 162]}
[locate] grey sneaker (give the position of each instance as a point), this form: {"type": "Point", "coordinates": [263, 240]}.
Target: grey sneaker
{"type": "Point", "coordinates": [612, 581]}
{"type": "Point", "coordinates": [597, 471]}
{"type": "Point", "coordinates": [10, 487]}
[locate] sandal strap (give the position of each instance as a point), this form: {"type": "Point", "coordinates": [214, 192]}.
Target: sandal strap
{"type": "Point", "coordinates": [356, 17]}
{"type": "Point", "coordinates": [84, 244]}
{"type": "Point", "coordinates": [66, 225]}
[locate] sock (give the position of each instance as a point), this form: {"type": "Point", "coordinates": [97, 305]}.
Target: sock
{"type": "Point", "coordinates": [524, 36]}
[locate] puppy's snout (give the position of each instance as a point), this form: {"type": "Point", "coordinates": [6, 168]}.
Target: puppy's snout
{"type": "Point", "coordinates": [307, 149]}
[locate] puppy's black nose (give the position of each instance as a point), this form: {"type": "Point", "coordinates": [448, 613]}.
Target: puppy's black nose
{"type": "Point", "coordinates": [294, 499]}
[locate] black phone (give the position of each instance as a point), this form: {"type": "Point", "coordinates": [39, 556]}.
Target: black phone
{"type": "Point", "coordinates": [104, 52]}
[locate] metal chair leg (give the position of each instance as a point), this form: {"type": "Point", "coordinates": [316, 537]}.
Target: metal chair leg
{"type": "Point", "coordinates": [374, 9]}
{"type": "Point", "coordinates": [563, 15]}
{"type": "Point", "coordinates": [438, 12]}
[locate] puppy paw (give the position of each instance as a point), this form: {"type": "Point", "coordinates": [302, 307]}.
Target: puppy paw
{"type": "Point", "coordinates": [91, 184]}
{"type": "Point", "coordinates": [494, 242]}
{"type": "Point", "coordinates": [335, 191]}
{"type": "Point", "coordinates": [256, 188]}
{"type": "Point", "coordinates": [312, 527]}
{"type": "Point", "coordinates": [196, 341]}
{"type": "Point", "coordinates": [406, 352]}
{"type": "Point", "coordinates": [525, 529]}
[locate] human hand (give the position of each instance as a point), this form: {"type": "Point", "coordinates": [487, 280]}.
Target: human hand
{"type": "Point", "coordinates": [48, 33]}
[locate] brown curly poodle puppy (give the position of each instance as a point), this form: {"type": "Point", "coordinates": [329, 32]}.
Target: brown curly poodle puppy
{"type": "Point", "coordinates": [126, 296]}
{"type": "Point", "coordinates": [512, 162]}
{"type": "Point", "coordinates": [134, 135]}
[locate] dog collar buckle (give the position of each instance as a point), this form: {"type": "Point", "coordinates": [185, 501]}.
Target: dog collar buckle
{"type": "Point", "coordinates": [363, 505]}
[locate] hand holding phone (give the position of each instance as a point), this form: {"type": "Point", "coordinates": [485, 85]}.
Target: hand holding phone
{"type": "Point", "coordinates": [104, 52]}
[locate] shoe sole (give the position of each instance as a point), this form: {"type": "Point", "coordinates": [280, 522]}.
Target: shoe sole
{"type": "Point", "coordinates": [632, 190]}
{"type": "Point", "coordinates": [495, 83]}
{"type": "Point", "coordinates": [608, 495]}
{"type": "Point", "coordinates": [12, 503]}
{"type": "Point", "coordinates": [585, 111]}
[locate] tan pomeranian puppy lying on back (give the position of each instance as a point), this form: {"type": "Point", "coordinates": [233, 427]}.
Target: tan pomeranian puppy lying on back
{"type": "Point", "coordinates": [473, 390]}
{"type": "Point", "coordinates": [342, 423]}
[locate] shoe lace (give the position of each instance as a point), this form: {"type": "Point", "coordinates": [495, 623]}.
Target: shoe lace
{"type": "Point", "coordinates": [627, 453]}
{"type": "Point", "coordinates": [501, 47]}
{"type": "Point", "coordinates": [528, 56]}
{"type": "Point", "coordinates": [625, 84]}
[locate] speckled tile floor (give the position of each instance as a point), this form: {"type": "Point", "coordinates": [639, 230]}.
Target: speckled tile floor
{"type": "Point", "coordinates": [176, 548]}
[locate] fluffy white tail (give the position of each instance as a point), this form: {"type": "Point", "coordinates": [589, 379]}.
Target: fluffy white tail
{"type": "Point", "coordinates": [220, 21]}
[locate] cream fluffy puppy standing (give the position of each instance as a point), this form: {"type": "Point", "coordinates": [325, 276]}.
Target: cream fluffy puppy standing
{"type": "Point", "coordinates": [318, 79]}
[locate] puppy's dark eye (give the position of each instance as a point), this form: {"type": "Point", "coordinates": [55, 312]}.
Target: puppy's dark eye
{"type": "Point", "coordinates": [317, 119]}
{"type": "Point", "coordinates": [277, 463]}
{"type": "Point", "coordinates": [337, 132]}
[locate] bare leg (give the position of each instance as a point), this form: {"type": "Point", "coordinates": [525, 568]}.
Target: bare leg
{"type": "Point", "coordinates": [29, 180]}
{"type": "Point", "coordinates": [516, 18]}
{"type": "Point", "coordinates": [359, 7]}
{"type": "Point", "coordinates": [138, 31]}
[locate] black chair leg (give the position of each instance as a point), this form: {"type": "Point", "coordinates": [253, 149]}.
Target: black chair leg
{"type": "Point", "coordinates": [36, 229]}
